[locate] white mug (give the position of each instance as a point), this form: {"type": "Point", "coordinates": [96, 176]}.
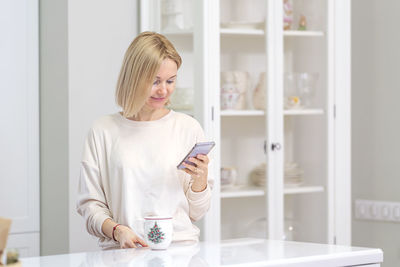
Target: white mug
{"type": "Point", "coordinates": [158, 231]}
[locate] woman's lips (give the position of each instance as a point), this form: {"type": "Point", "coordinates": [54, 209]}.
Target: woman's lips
{"type": "Point", "coordinates": [158, 98]}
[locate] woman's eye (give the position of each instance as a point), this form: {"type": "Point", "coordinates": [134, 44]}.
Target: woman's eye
{"type": "Point", "coordinates": [170, 81]}
{"type": "Point", "coordinates": [156, 82]}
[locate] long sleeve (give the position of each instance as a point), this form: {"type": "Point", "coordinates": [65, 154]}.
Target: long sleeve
{"type": "Point", "coordinates": [199, 202]}
{"type": "Point", "coordinates": [91, 203]}
{"type": "Point", "coordinates": [128, 171]}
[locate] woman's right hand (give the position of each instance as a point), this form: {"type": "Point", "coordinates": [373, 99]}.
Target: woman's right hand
{"type": "Point", "coordinates": [127, 238]}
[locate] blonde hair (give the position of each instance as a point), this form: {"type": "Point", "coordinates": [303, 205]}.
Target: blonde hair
{"type": "Point", "coordinates": [141, 63]}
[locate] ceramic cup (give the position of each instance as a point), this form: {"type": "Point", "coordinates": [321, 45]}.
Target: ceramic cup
{"type": "Point", "coordinates": [158, 231]}
{"type": "Point", "coordinates": [234, 87]}
{"type": "Point", "coordinates": [228, 176]}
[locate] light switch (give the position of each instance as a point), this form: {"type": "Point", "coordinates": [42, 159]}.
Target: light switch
{"type": "Point", "coordinates": [385, 211]}
{"type": "Point", "coordinates": [374, 210]}
{"type": "Point", "coordinates": [396, 213]}
{"type": "Point", "coordinates": [377, 210]}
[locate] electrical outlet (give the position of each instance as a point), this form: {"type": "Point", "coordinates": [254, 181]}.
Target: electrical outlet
{"type": "Point", "coordinates": [377, 210]}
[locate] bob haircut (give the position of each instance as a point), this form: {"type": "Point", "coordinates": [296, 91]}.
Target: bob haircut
{"type": "Point", "coordinates": [141, 63]}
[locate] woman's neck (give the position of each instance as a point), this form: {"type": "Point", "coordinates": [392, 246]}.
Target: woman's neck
{"type": "Point", "coordinates": [150, 115]}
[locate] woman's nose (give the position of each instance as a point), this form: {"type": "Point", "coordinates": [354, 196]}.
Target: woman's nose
{"type": "Point", "coordinates": [162, 87]}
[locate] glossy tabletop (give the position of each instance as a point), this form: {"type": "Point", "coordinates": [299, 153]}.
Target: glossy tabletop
{"type": "Point", "coordinates": [244, 253]}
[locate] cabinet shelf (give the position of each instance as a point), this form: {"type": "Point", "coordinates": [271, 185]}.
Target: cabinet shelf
{"type": "Point", "coordinates": [230, 32]}
{"type": "Point", "coordinates": [253, 191]}
{"type": "Point", "coordinates": [239, 31]}
{"type": "Point", "coordinates": [248, 112]}
{"type": "Point", "coordinates": [303, 112]}
{"type": "Point", "coordinates": [288, 112]}
{"type": "Point", "coordinates": [304, 33]}
{"type": "Point", "coordinates": [259, 32]}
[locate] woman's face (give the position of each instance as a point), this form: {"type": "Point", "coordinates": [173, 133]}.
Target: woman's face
{"type": "Point", "coordinates": [164, 85]}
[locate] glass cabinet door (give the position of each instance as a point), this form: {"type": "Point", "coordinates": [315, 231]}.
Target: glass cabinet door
{"type": "Point", "coordinates": [243, 121]}
{"type": "Point", "coordinates": [307, 97]}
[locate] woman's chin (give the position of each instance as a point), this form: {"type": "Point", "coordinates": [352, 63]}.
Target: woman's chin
{"type": "Point", "coordinates": [157, 105]}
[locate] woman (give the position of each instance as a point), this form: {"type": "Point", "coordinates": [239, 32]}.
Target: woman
{"type": "Point", "coordinates": [128, 169]}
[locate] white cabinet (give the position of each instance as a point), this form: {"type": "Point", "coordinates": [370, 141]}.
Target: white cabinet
{"type": "Point", "coordinates": [19, 116]}
{"type": "Point", "coordinates": [28, 245]}
{"type": "Point", "coordinates": [293, 123]}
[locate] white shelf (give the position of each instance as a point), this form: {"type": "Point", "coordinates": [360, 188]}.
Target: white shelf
{"type": "Point", "coordinates": [249, 112]}
{"type": "Point", "coordinates": [289, 112]}
{"type": "Point", "coordinates": [253, 191]}
{"type": "Point", "coordinates": [303, 112]}
{"type": "Point", "coordinates": [260, 32]}
{"type": "Point", "coordinates": [303, 189]}
{"type": "Point", "coordinates": [242, 191]}
{"type": "Point", "coordinates": [304, 33]}
{"type": "Point", "coordinates": [229, 31]}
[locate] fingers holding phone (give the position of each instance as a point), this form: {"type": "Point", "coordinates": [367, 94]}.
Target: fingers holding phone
{"type": "Point", "coordinates": [199, 166]}
{"type": "Point", "coordinates": [198, 171]}
{"type": "Point", "coordinates": [196, 165]}
{"type": "Point", "coordinates": [202, 148]}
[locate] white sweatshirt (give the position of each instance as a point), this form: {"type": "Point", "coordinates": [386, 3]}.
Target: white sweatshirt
{"type": "Point", "coordinates": [128, 171]}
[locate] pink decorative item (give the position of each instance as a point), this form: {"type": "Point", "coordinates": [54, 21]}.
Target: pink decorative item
{"type": "Point", "coordinates": [287, 14]}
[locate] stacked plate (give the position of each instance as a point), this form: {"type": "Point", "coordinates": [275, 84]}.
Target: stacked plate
{"type": "Point", "coordinates": [293, 175]}
{"type": "Point", "coordinates": [257, 175]}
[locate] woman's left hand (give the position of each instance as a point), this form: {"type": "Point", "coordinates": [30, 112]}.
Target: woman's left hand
{"type": "Point", "coordinates": [198, 172]}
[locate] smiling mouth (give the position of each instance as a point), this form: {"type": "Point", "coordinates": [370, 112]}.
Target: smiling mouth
{"type": "Point", "coordinates": [158, 98]}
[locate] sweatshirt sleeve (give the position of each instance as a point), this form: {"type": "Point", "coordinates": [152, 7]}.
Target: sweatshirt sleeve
{"type": "Point", "coordinates": [91, 202]}
{"type": "Point", "coordinates": [199, 202]}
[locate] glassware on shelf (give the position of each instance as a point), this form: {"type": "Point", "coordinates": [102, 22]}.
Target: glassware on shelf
{"type": "Point", "coordinates": [299, 90]}
{"type": "Point", "coordinates": [172, 15]}
{"type": "Point", "coordinates": [291, 94]}
{"type": "Point", "coordinates": [228, 177]}
{"type": "Point", "coordinates": [306, 85]}
{"type": "Point", "coordinates": [289, 230]}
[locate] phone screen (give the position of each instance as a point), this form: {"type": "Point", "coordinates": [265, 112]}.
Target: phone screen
{"type": "Point", "coordinates": [199, 148]}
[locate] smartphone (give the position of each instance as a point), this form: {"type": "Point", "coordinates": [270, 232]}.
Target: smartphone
{"type": "Point", "coordinates": [199, 148]}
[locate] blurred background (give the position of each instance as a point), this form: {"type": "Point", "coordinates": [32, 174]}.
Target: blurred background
{"type": "Point", "coordinates": [81, 47]}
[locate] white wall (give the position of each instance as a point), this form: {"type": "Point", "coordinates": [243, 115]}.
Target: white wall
{"type": "Point", "coordinates": [99, 31]}
{"type": "Point", "coordinates": [375, 117]}
{"type": "Point", "coordinates": [19, 123]}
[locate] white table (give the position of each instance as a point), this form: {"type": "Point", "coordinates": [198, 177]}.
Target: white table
{"type": "Point", "coordinates": [244, 253]}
